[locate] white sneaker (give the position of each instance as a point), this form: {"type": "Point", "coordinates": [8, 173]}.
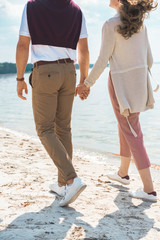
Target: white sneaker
{"type": "Point", "coordinates": [72, 192]}
{"type": "Point", "coordinates": [57, 189]}
{"type": "Point", "coordinates": [115, 177]}
{"type": "Point", "coordinates": [140, 194]}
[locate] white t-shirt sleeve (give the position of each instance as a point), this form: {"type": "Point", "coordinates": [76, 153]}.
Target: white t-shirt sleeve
{"type": "Point", "coordinates": [83, 33]}
{"type": "Point", "coordinates": [24, 31]}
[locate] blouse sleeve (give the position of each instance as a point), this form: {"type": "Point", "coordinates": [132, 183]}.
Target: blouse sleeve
{"type": "Point", "coordinates": [149, 53]}
{"type": "Point", "coordinates": [107, 47]}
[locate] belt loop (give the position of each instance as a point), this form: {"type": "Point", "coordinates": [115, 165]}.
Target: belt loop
{"type": "Point", "coordinates": [58, 61]}
{"type": "Point", "coordinates": [36, 64]}
{"type": "Point", "coordinates": [65, 61]}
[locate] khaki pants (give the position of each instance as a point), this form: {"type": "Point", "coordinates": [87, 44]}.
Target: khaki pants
{"type": "Point", "coordinates": [53, 88]}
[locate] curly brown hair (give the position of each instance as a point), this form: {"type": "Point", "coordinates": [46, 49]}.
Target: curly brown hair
{"type": "Point", "coordinates": [132, 15]}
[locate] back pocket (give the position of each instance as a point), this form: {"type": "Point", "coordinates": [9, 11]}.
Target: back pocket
{"type": "Point", "coordinates": [48, 82]}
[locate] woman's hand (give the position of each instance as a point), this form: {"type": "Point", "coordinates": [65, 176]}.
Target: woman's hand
{"type": "Point", "coordinates": [82, 91]}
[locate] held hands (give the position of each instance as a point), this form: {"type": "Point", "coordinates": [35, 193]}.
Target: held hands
{"type": "Point", "coordinates": [22, 85]}
{"type": "Point", "coordinates": [82, 91]}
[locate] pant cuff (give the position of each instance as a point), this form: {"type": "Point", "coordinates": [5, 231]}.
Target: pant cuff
{"type": "Point", "coordinates": [62, 183]}
{"type": "Point", "coordinates": [72, 175]}
{"type": "Point", "coordinates": [125, 155]}
{"type": "Point", "coordinates": [144, 167]}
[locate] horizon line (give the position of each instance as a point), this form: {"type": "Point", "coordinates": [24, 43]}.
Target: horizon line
{"type": "Point", "coordinates": [157, 62]}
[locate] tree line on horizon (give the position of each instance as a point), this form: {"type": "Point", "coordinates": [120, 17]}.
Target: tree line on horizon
{"type": "Point", "coordinates": [6, 68]}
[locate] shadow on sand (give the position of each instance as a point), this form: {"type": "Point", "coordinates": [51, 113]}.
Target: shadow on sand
{"type": "Point", "coordinates": [56, 223]}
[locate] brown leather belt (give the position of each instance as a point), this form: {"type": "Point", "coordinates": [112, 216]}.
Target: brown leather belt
{"type": "Point", "coordinates": [66, 60]}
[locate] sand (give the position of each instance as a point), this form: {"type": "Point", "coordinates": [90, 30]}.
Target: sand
{"type": "Point", "coordinates": [29, 211]}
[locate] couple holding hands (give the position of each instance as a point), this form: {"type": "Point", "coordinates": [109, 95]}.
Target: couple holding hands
{"type": "Point", "coordinates": [56, 28]}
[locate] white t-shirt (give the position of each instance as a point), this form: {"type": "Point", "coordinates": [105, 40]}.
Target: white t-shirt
{"type": "Point", "coordinates": [45, 52]}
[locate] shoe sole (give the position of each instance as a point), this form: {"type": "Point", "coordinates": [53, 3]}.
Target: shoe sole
{"type": "Point", "coordinates": [81, 189]}
{"type": "Point", "coordinates": [77, 194]}
{"type": "Point", "coordinates": [118, 181]}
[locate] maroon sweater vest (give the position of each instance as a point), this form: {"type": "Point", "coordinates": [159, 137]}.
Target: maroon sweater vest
{"type": "Point", "coordinates": [54, 22]}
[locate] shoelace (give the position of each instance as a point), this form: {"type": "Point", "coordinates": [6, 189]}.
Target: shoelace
{"type": "Point", "coordinates": [65, 192]}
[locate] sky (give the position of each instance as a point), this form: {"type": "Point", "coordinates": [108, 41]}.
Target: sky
{"type": "Point", "coordinates": [96, 13]}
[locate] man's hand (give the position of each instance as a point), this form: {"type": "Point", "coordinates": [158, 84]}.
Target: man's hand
{"type": "Point", "coordinates": [22, 85]}
{"type": "Point", "coordinates": [82, 91]}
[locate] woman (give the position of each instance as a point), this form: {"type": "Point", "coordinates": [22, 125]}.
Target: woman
{"type": "Point", "coordinates": [125, 45]}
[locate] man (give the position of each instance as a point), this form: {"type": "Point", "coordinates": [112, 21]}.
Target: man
{"type": "Point", "coordinates": [55, 29]}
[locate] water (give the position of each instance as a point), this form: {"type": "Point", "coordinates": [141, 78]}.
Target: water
{"type": "Point", "coordinates": [94, 126]}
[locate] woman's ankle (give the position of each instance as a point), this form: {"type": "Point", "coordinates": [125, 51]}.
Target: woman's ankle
{"type": "Point", "coordinates": [122, 173]}
{"type": "Point", "coordinates": [148, 190]}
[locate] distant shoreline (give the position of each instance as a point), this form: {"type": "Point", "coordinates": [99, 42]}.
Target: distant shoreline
{"type": "Point", "coordinates": [10, 68]}
{"type": "Point", "coordinates": [6, 67]}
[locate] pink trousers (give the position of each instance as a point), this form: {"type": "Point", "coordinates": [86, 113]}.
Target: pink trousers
{"type": "Point", "coordinates": [129, 144]}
